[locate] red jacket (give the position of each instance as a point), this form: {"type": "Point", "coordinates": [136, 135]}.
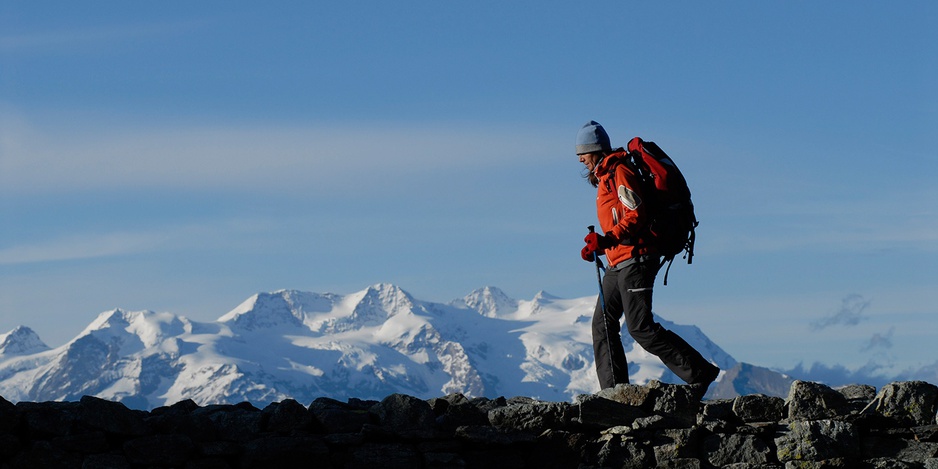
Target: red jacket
{"type": "Point", "coordinates": [622, 215]}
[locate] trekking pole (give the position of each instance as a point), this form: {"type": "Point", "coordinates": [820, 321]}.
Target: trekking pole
{"type": "Point", "coordinates": [599, 266]}
{"type": "Point", "coordinates": [602, 304]}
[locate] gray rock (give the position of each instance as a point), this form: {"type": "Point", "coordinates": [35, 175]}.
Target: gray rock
{"type": "Point", "coordinates": [717, 416]}
{"type": "Point", "coordinates": [339, 417]}
{"type": "Point", "coordinates": [759, 408]}
{"type": "Point", "coordinates": [488, 435]}
{"type": "Point", "coordinates": [902, 449]}
{"type": "Point", "coordinates": [232, 422]}
{"type": "Point", "coordinates": [462, 414]}
{"type": "Point", "coordinates": [625, 453]}
{"type": "Point", "coordinates": [722, 450]}
{"type": "Point", "coordinates": [858, 396]}
{"type": "Point", "coordinates": [676, 444]}
{"type": "Point", "coordinates": [682, 463]}
{"type": "Point", "coordinates": [401, 413]}
{"type": "Point", "coordinates": [886, 463]}
{"type": "Point", "coordinates": [599, 412]}
{"type": "Point", "coordinates": [287, 417]}
{"type": "Point", "coordinates": [835, 463]}
{"type": "Point", "coordinates": [631, 394]}
{"type": "Point", "coordinates": [532, 417]}
{"type": "Point", "coordinates": [815, 401]}
{"type": "Point", "coordinates": [857, 392]}
{"type": "Point", "coordinates": [908, 403]}
{"type": "Point", "coordinates": [678, 401]}
{"type": "Point", "coordinates": [817, 440]}
{"type": "Point", "coordinates": [649, 428]}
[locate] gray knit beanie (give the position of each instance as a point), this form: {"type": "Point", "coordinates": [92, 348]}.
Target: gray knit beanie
{"type": "Point", "coordinates": [592, 138]}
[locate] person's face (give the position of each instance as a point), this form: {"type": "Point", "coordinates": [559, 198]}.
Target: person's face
{"type": "Point", "coordinates": [589, 160]}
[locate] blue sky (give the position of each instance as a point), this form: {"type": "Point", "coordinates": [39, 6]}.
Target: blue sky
{"type": "Point", "coordinates": [183, 156]}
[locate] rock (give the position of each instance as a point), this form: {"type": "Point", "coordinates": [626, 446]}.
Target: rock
{"type": "Point", "coordinates": [385, 456]}
{"type": "Point", "coordinates": [111, 417]}
{"type": "Point", "coordinates": [598, 412]}
{"type": "Point", "coordinates": [815, 401]}
{"type": "Point", "coordinates": [683, 463]}
{"type": "Point", "coordinates": [675, 444]}
{"type": "Point", "coordinates": [717, 416]}
{"type": "Point", "coordinates": [909, 450]}
{"type": "Point", "coordinates": [643, 427]}
{"type": "Point", "coordinates": [908, 403]}
{"type": "Point", "coordinates": [625, 453]}
{"type": "Point", "coordinates": [339, 417]}
{"type": "Point", "coordinates": [531, 417]}
{"type": "Point", "coordinates": [817, 440]}
{"type": "Point", "coordinates": [48, 419]}
{"type": "Point", "coordinates": [679, 402]}
{"type": "Point", "coordinates": [759, 408]}
{"type": "Point", "coordinates": [287, 417]}
{"type": "Point", "coordinates": [159, 450]}
{"type": "Point", "coordinates": [858, 396]}
{"type": "Point", "coordinates": [42, 454]}
{"type": "Point", "coordinates": [403, 414]}
{"type": "Point", "coordinates": [858, 392]}
{"type": "Point", "coordinates": [9, 417]}
{"type": "Point", "coordinates": [631, 394]}
{"type": "Point", "coordinates": [282, 451]}
{"type": "Point", "coordinates": [722, 450]}
{"type": "Point", "coordinates": [232, 422]}
{"type": "Point", "coordinates": [458, 413]}
{"type": "Point", "coordinates": [488, 435]}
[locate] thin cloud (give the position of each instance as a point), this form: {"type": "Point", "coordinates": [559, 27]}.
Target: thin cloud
{"type": "Point", "coordinates": [92, 39]}
{"type": "Point", "coordinates": [63, 158]}
{"type": "Point", "coordinates": [850, 313]}
{"type": "Point", "coordinates": [80, 247]}
{"type": "Point", "coordinates": [879, 341]}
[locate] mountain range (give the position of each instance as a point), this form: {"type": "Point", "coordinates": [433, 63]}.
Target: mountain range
{"type": "Point", "coordinates": [366, 345]}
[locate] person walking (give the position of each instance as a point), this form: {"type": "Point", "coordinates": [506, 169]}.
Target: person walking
{"type": "Point", "coordinates": [632, 265]}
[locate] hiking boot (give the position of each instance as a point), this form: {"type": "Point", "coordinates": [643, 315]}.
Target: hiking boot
{"type": "Point", "coordinates": [704, 380]}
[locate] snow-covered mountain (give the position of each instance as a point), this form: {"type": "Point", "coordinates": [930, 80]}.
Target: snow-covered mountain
{"type": "Point", "coordinates": [302, 345]}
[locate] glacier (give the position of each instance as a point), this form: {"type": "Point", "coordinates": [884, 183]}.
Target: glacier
{"type": "Point", "coordinates": [300, 345]}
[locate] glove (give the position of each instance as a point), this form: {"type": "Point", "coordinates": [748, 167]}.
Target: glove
{"type": "Point", "coordinates": [595, 242]}
{"type": "Point", "coordinates": [587, 254]}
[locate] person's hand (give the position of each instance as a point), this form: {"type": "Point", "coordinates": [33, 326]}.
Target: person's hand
{"type": "Point", "coordinates": [594, 242]}
{"type": "Point", "coordinates": [587, 254]}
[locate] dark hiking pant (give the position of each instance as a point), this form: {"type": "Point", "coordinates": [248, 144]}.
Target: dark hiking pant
{"type": "Point", "coordinates": [627, 292]}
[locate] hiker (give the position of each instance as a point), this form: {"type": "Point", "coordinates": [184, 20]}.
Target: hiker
{"type": "Point", "coordinates": [633, 263]}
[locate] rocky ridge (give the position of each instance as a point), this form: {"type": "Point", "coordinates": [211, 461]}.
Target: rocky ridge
{"type": "Point", "coordinates": [654, 425]}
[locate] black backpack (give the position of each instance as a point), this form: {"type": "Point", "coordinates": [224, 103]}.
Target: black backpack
{"type": "Point", "coordinates": [673, 222]}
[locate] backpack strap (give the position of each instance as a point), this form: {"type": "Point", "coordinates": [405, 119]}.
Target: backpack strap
{"type": "Point", "coordinates": [669, 261]}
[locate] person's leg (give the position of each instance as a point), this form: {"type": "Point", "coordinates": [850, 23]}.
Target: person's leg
{"type": "Point", "coordinates": [611, 364]}
{"type": "Point", "coordinates": [637, 286]}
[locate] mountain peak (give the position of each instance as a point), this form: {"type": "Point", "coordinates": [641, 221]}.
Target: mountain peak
{"type": "Point", "coordinates": [544, 296]}
{"type": "Point", "coordinates": [147, 326]}
{"type": "Point", "coordinates": [381, 301]}
{"type": "Point", "coordinates": [264, 311]}
{"type": "Point", "coordinates": [490, 302]}
{"type": "Point", "coordinates": [21, 341]}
